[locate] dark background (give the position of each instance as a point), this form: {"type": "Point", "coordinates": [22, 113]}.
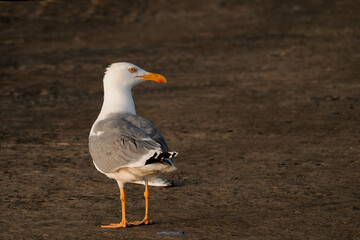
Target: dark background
{"type": "Point", "coordinates": [262, 103]}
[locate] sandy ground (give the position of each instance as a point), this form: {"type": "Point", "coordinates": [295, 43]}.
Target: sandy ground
{"type": "Point", "coordinates": [262, 103]}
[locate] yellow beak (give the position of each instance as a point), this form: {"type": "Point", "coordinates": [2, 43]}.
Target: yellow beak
{"type": "Point", "coordinates": [154, 77]}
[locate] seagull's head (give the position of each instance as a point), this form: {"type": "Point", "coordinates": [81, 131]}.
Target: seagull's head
{"type": "Point", "coordinates": [127, 75]}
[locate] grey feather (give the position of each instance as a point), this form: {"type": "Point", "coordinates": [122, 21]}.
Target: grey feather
{"type": "Point", "coordinates": [123, 139]}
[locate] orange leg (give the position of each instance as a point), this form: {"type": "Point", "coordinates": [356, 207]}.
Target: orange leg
{"type": "Point", "coordinates": [123, 223]}
{"type": "Point", "coordinates": [145, 221]}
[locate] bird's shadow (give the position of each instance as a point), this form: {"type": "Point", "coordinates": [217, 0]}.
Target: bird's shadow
{"type": "Point", "coordinates": [178, 181]}
{"type": "Point", "coordinates": [187, 182]}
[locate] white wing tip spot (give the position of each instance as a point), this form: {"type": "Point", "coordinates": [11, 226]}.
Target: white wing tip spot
{"type": "Point", "coordinates": [147, 139]}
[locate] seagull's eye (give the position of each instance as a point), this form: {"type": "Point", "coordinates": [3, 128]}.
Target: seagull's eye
{"type": "Point", "coordinates": [132, 70]}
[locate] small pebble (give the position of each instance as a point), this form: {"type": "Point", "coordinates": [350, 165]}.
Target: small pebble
{"type": "Point", "coordinates": [172, 233]}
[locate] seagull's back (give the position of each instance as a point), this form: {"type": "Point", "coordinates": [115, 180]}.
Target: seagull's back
{"type": "Point", "coordinates": [124, 140]}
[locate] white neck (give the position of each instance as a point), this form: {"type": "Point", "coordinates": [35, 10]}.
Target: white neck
{"type": "Point", "coordinates": [116, 101]}
{"type": "Point", "coordinates": [117, 96]}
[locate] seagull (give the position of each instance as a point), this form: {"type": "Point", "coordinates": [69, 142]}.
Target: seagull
{"type": "Point", "coordinates": [124, 146]}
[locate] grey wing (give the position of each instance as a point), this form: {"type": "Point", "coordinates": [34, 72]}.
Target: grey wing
{"type": "Point", "coordinates": [147, 126]}
{"type": "Point", "coordinates": [118, 144]}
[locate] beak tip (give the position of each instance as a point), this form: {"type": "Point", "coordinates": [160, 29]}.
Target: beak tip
{"type": "Point", "coordinates": [154, 77]}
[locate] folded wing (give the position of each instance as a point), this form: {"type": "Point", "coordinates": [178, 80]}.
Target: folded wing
{"type": "Point", "coordinates": [124, 140]}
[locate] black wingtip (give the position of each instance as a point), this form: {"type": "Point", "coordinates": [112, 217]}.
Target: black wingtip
{"type": "Point", "coordinates": [159, 157]}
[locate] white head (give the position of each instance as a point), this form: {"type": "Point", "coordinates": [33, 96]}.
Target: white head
{"type": "Point", "coordinates": [119, 79]}
{"type": "Point", "coordinates": [126, 75]}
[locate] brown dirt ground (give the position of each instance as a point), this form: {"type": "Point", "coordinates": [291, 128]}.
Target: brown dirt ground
{"type": "Point", "coordinates": [262, 103]}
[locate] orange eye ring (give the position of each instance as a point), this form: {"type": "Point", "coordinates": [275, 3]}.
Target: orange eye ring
{"type": "Point", "coordinates": [132, 70]}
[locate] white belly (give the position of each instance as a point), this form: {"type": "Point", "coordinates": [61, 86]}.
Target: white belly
{"type": "Point", "coordinates": [144, 173]}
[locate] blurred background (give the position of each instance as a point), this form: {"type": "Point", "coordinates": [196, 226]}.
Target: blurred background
{"type": "Point", "coordinates": [262, 103]}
